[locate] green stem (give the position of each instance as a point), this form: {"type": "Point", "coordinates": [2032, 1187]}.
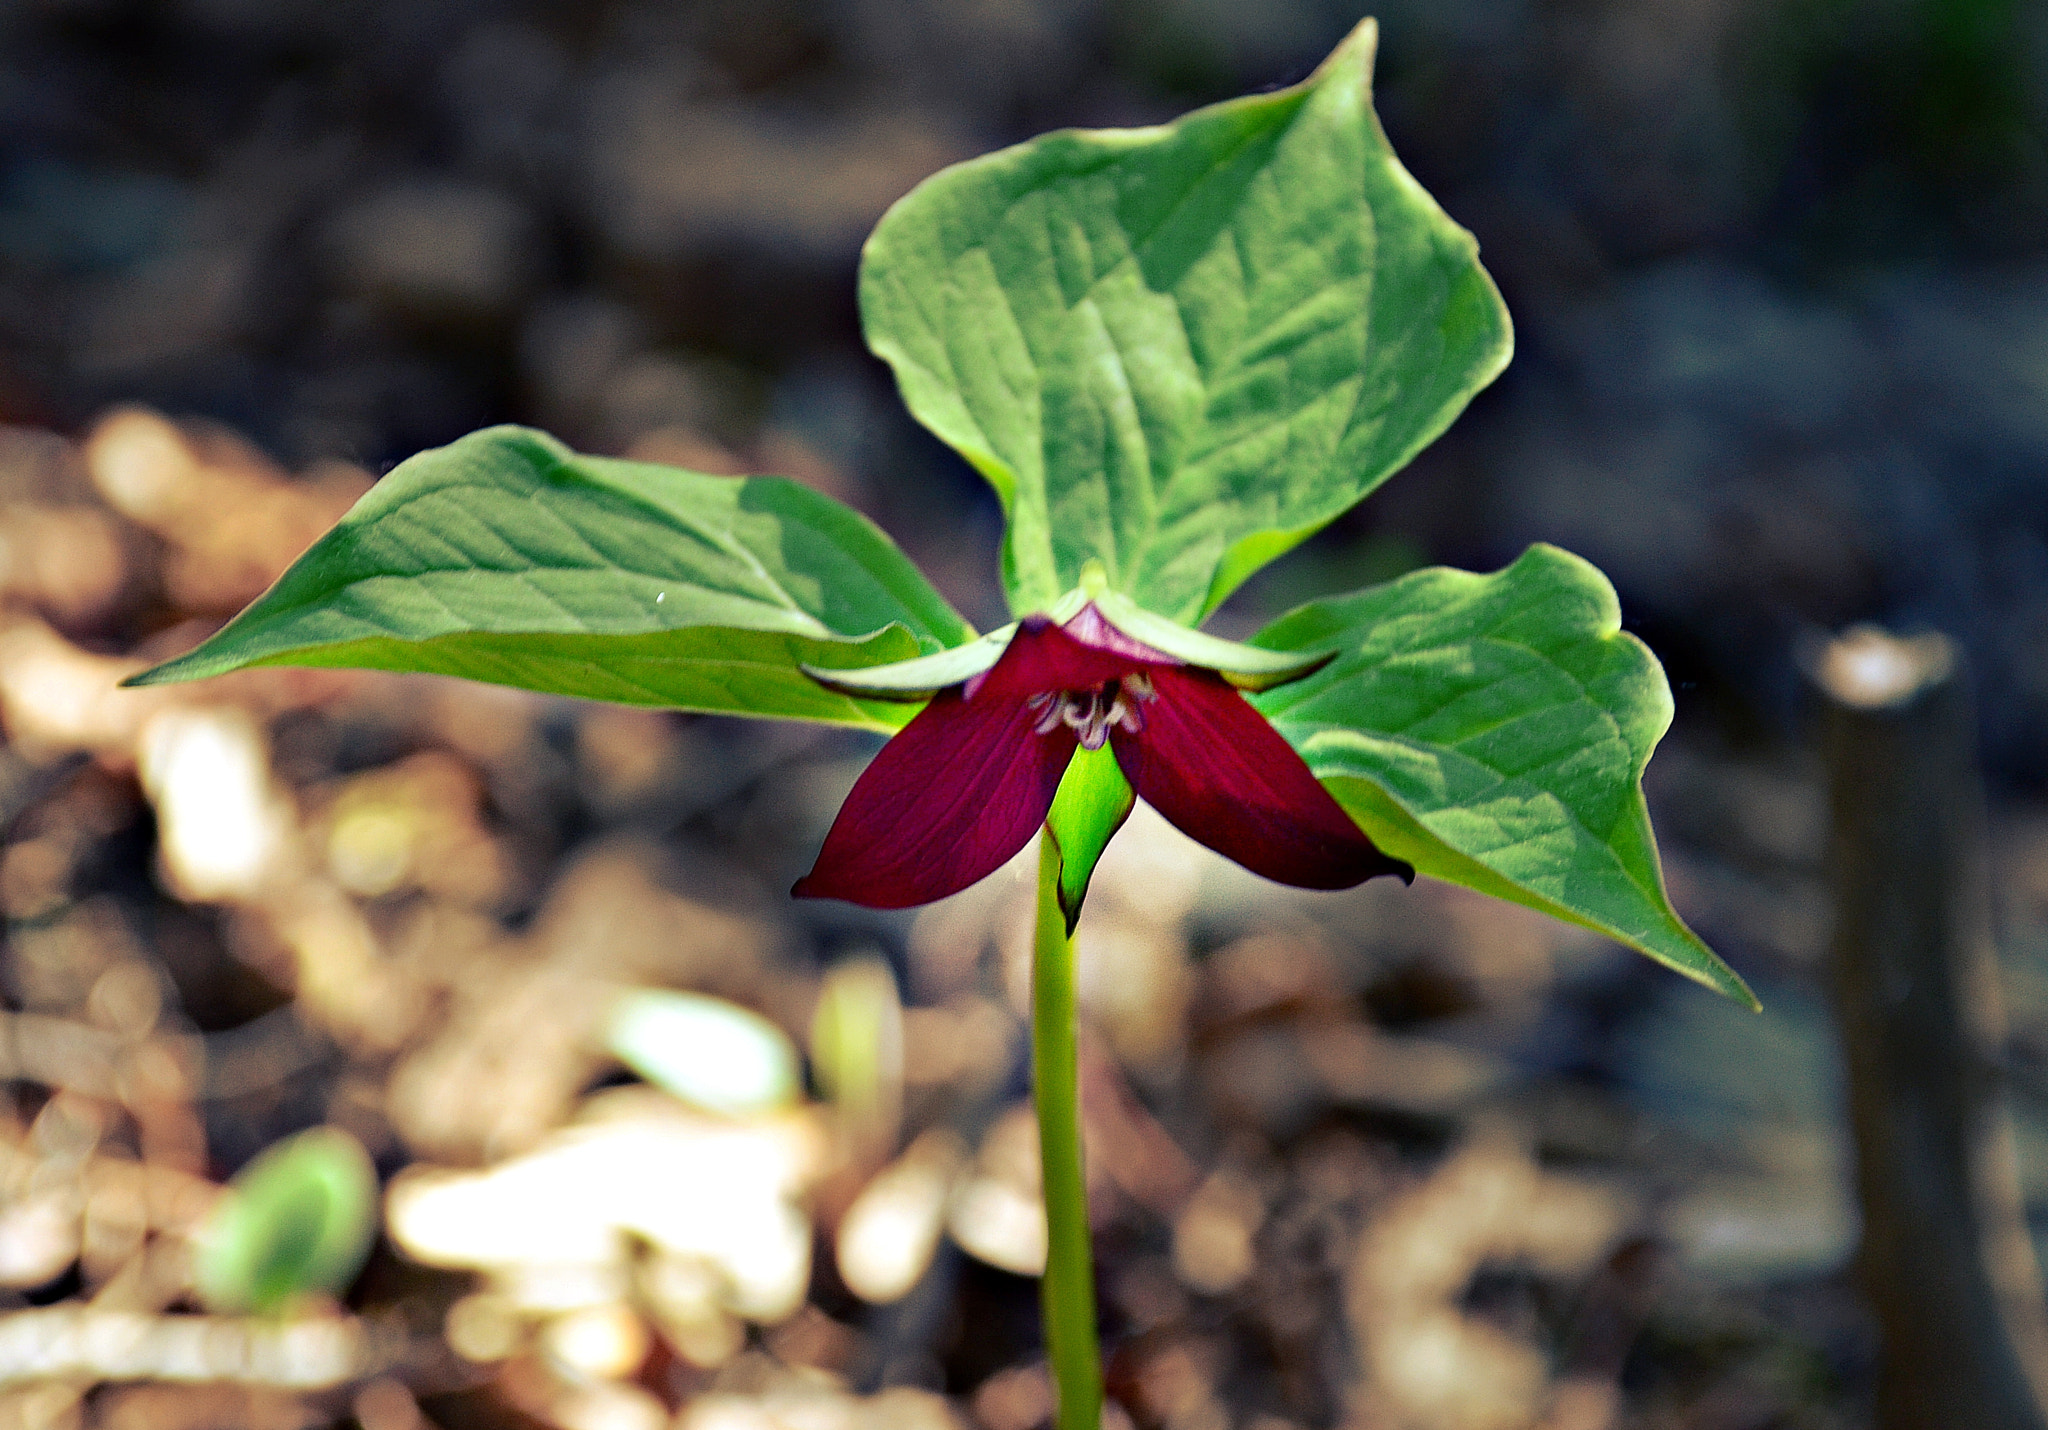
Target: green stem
{"type": "Point", "coordinates": [1068, 1293]}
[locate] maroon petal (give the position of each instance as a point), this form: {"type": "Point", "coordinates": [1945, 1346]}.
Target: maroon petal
{"type": "Point", "coordinates": [945, 803]}
{"type": "Point", "coordinates": [1043, 657]}
{"type": "Point", "coordinates": [1212, 765]}
{"type": "Point", "coordinates": [1091, 628]}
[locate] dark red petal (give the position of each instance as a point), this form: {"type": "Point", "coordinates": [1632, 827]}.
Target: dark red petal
{"type": "Point", "coordinates": [1043, 657]}
{"type": "Point", "coordinates": [1091, 628]}
{"type": "Point", "coordinates": [946, 802]}
{"type": "Point", "coordinates": [1212, 765]}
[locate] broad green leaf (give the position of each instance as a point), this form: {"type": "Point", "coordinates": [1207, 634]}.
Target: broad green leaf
{"type": "Point", "coordinates": [1492, 731]}
{"type": "Point", "coordinates": [506, 557]}
{"type": "Point", "coordinates": [1089, 807]}
{"type": "Point", "coordinates": [1182, 350]}
{"type": "Point", "coordinates": [296, 1221]}
{"type": "Point", "coordinates": [706, 1051]}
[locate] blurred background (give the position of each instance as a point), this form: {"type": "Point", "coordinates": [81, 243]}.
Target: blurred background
{"type": "Point", "coordinates": [1401, 1158]}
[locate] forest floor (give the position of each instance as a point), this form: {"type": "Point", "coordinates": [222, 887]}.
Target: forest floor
{"type": "Point", "coordinates": [1395, 1157]}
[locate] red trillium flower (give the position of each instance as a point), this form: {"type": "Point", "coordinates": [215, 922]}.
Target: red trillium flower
{"type": "Point", "coordinates": [970, 779]}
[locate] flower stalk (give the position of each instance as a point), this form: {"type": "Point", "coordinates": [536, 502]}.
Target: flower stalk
{"type": "Point", "coordinates": [1067, 1297]}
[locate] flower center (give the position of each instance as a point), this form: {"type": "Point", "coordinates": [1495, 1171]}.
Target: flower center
{"type": "Point", "coordinates": [1093, 713]}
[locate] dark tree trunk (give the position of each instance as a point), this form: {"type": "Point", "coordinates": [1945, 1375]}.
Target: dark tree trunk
{"type": "Point", "coordinates": [1946, 1256]}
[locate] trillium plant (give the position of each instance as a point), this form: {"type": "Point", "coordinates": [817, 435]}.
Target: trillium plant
{"type": "Point", "coordinates": [1175, 353]}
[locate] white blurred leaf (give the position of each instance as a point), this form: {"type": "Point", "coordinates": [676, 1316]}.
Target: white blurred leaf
{"type": "Point", "coordinates": [706, 1051]}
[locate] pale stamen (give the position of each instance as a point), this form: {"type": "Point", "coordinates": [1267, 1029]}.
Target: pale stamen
{"type": "Point", "coordinates": [1092, 714]}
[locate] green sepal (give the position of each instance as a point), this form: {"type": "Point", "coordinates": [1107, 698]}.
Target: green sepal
{"type": "Point", "coordinates": [921, 677]}
{"type": "Point", "coordinates": [1248, 667]}
{"type": "Point", "coordinates": [1245, 666]}
{"type": "Point", "coordinates": [1092, 803]}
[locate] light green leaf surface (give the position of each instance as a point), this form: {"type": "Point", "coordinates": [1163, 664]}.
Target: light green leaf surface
{"type": "Point", "coordinates": [1492, 731]}
{"type": "Point", "coordinates": [298, 1220]}
{"type": "Point", "coordinates": [506, 557]}
{"type": "Point", "coordinates": [1182, 350]}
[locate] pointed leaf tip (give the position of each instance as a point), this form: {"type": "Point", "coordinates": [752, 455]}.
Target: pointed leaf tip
{"type": "Point", "coordinates": [1492, 730]}
{"type": "Point", "coordinates": [506, 557]}
{"type": "Point", "coordinates": [1179, 351]}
